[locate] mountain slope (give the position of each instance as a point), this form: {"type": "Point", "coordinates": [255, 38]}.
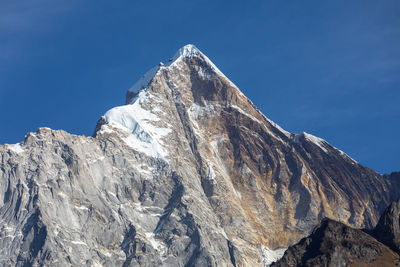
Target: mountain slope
{"type": "Point", "coordinates": [335, 244]}
{"type": "Point", "coordinates": [189, 172]}
{"type": "Point", "coordinates": [387, 230]}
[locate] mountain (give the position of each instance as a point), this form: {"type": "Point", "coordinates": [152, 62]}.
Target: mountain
{"type": "Point", "coordinates": [188, 173]}
{"type": "Point", "coordinates": [334, 244]}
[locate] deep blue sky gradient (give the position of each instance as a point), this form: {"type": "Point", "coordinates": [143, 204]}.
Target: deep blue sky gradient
{"type": "Point", "coordinates": [330, 69]}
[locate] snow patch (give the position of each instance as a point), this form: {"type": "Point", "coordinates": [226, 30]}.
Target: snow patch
{"type": "Point", "coordinates": [211, 173]}
{"type": "Point", "coordinates": [143, 136]}
{"type": "Point", "coordinates": [144, 80]}
{"type": "Point", "coordinates": [149, 210]}
{"type": "Point", "coordinates": [344, 155]}
{"type": "Point", "coordinates": [278, 127]}
{"type": "Point", "coordinates": [81, 207]}
{"type": "Point", "coordinates": [268, 256]}
{"type": "Point", "coordinates": [78, 242]}
{"type": "Point", "coordinates": [246, 114]}
{"type": "Point", "coordinates": [106, 130]}
{"type": "Point", "coordinates": [16, 148]}
{"type": "Point", "coordinates": [237, 193]}
{"type": "Point", "coordinates": [204, 73]}
{"type": "Point", "coordinates": [245, 169]}
{"type": "Point", "coordinates": [157, 245]}
{"type": "Point", "coordinates": [45, 128]}
{"type": "Point", "coordinates": [196, 111]}
{"type": "Point", "coordinates": [188, 51]}
{"type": "Point", "coordinates": [321, 143]}
{"type": "Point", "coordinates": [271, 122]}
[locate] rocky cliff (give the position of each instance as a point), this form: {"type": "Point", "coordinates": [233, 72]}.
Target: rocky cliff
{"type": "Point", "coordinates": [188, 173]}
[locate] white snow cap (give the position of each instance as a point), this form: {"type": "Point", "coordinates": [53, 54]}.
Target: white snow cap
{"type": "Point", "coordinates": [187, 51]}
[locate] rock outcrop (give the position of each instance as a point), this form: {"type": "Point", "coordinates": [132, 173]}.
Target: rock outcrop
{"type": "Point", "coordinates": [188, 173]}
{"type": "Point", "coordinates": [388, 228]}
{"type": "Point", "coordinates": [334, 244]}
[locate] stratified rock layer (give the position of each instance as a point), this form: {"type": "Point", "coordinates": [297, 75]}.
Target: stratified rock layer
{"type": "Point", "coordinates": [189, 173]}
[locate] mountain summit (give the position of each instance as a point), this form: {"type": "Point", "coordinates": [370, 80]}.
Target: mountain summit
{"type": "Point", "coordinates": [188, 173]}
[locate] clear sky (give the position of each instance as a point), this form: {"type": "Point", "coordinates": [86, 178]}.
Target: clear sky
{"type": "Point", "coordinates": [329, 69]}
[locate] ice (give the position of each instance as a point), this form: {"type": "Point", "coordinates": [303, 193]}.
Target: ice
{"type": "Point", "coordinates": [268, 256]}
{"type": "Point", "coordinates": [144, 135]}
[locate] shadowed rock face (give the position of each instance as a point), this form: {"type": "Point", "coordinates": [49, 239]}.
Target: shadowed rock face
{"type": "Point", "coordinates": [388, 228]}
{"type": "Point", "coordinates": [190, 173]}
{"type": "Point", "coordinates": [335, 244]}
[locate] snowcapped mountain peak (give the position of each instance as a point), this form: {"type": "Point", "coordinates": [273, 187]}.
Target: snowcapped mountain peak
{"type": "Point", "coordinates": [180, 61]}
{"type": "Point", "coordinates": [187, 51]}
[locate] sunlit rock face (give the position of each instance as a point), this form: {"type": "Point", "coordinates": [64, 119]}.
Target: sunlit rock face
{"type": "Point", "coordinates": [188, 172]}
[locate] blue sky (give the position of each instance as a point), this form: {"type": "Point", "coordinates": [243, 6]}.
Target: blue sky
{"type": "Point", "coordinates": [330, 69]}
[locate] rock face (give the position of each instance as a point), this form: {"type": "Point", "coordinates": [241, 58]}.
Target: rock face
{"type": "Point", "coordinates": [388, 228]}
{"type": "Point", "coordinates": [188, 173]}
{"type": "Point", "coordinates": [335, 244]}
